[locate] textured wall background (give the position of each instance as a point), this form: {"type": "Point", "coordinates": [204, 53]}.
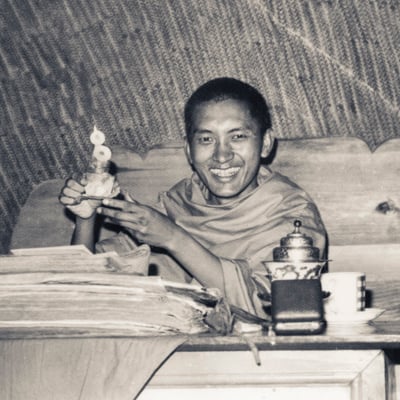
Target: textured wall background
{"type": "Point", "coordinates": [327, 68]}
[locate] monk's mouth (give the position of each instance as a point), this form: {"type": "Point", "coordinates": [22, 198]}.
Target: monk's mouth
{"type": "Point", "coordinates": [225, 173]}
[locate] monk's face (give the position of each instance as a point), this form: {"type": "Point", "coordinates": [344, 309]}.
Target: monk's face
{"type": "Point", "coordinates": [224, 148]}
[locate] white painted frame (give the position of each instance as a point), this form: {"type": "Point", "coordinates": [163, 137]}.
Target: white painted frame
{"type": "Point", "coordinates": [303, 374]}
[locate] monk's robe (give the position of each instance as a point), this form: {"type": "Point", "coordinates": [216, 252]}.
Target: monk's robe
{"type": "Point", "coordinates": [242, 233]}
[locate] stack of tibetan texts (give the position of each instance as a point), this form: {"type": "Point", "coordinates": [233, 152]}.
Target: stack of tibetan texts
{"type": "Point", "coordinates": [69, 291]}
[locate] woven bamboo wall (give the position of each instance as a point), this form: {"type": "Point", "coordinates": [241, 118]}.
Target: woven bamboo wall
{"type": "Point", "coordinates": [327, 68]}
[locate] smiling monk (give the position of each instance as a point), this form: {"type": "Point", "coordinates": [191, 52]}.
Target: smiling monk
{"type": "Point", "coordinates": [216, 227]}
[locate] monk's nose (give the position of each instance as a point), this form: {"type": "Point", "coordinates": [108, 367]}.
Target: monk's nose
{"type": "Point", "coordinates": [223, 152]}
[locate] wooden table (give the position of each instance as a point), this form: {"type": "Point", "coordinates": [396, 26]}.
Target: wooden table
{"type": "Point", "coordinates": [357, 363]}
{"type": "Point", "coordinates": [354, 363]}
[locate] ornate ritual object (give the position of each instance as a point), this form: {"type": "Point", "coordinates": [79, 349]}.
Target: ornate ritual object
{"type": "Point", "coordinates": [296, 295]}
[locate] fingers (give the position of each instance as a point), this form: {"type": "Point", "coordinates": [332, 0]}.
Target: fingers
{"type": "Point", "coordinates": [72, 184]}
{"type": "Point", "coordinates": [66, 200]}
{"type": "Point", "coordinates": [125, 213]}
{"type": "Point", "coordinates": [71, 191]}
{"type": "Point", "coordinates": [124, 205]}
{"type": "Point", "coordinates": [134, 221]}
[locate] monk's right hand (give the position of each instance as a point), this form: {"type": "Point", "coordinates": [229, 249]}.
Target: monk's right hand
{"type": "Point", "coordinates": [70, 198]}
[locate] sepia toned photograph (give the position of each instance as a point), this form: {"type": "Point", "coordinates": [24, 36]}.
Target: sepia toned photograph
{"type": "Point", "coordinates": [200, 199]}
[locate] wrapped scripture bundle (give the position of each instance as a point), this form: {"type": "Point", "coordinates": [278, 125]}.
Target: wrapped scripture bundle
{"type": "Point", "coordinates": [59, 295]}
{"type": "Point", "coordinates": [105, 307]}
{"type": "Point", "coordinates": [76, 258]}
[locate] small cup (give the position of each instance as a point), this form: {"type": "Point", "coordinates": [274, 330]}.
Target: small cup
{"type": "Point", "coordinates": [346, 292]}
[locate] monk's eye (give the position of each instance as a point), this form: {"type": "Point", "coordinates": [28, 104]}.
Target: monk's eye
{"type": "Point", "coordinates": [240, 136]}
{"type": "Point", "coordinates": [205, 139]}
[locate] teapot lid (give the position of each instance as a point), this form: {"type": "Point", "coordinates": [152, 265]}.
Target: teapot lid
{"type": "Point", "coordinates": [296, 246]}
{"type": "Point", "coordinates": [296, 238]}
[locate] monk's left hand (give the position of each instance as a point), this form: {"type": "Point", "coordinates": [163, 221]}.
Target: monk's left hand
{"type": "Point", "coordinates": [145, 223]}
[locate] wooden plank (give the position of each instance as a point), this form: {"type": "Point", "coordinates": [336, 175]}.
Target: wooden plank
{"type": "Point", "coordinates": [43, 220]}
{"type": "Point", "coordinates": [381, 266]}
{"type": "Point", "coordinates": [347, 182]}
{"type": "Point", "coordinates": [344, 178]}
{"type": "Point", "coordinates": [380, 262]}
{"type": "Point", "coordinates": [145, 177]}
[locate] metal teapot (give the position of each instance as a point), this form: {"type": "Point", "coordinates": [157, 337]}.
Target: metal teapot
{"type": "Point", "coordinates": [296, 258]}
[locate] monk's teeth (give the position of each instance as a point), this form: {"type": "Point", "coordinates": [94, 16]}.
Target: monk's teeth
{"type": "Point", "coordinates": [225, 172]}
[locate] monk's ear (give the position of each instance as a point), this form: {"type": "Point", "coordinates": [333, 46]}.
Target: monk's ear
{"type": "Point", "coordinates": [187, 151]}
{"type": "Point", "coordinates": [268, 143]}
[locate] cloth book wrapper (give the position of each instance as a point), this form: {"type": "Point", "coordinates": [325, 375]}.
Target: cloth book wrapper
{"type": "Point", "coordinates": [77, 325]}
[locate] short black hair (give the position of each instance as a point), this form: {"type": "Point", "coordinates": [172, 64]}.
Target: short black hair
{"type": "Point", "coordinates": [226, 88]}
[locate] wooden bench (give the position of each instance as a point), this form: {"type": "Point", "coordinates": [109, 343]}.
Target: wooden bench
{"type": "Point", "coordinates": [357, 192]}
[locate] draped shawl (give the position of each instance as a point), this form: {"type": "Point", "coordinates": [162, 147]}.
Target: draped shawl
{"type": "Point", "coordinates": [244, 232]}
